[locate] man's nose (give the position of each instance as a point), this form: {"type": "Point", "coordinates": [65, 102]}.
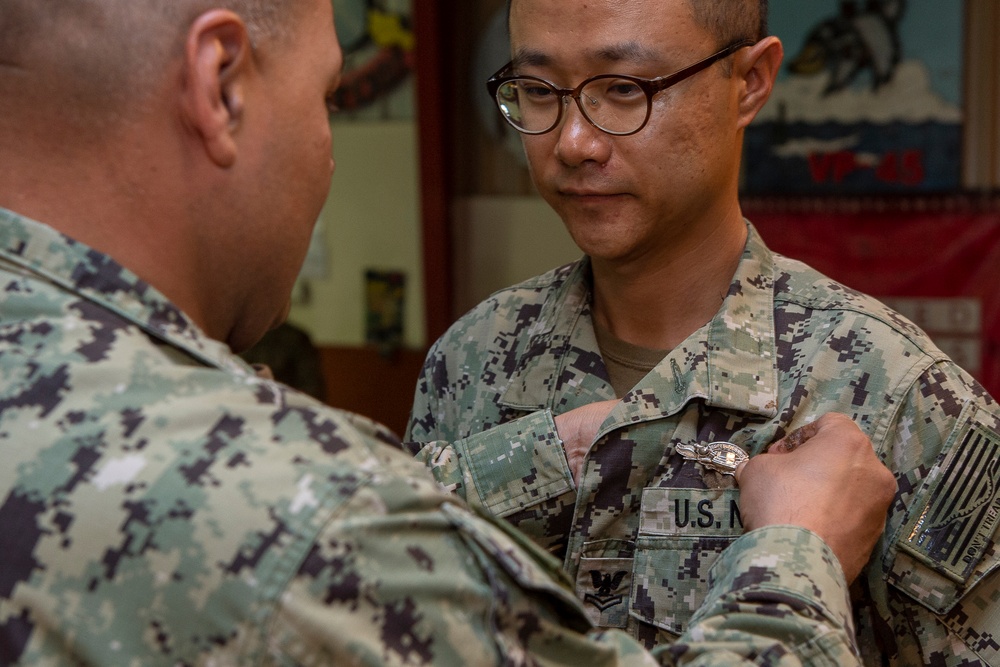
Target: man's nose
{"type": "Point", "coordinates": [579, 141]}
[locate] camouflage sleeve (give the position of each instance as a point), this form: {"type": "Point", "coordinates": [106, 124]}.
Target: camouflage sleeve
{"type": "Point", "coordinates": [503, 469]}
{"type": "Point", "coordinates": [428, 437]}
{"type": "Point", "coordinates": [777, 596]}
{"type": "Point", "coordinates": [401, 578]}
{"type": "Point", "coordinates": [940, 563]}
{"type": "Point", "coordinates": [425, 414]}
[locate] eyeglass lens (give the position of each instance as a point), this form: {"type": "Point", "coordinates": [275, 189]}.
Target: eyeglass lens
{"type": "Point", "coordinates": [613, 104]}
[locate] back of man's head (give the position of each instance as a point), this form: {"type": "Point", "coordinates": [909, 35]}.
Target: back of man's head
{"type": "Point", "coordinates": [186, 139]}
{"type": "Point", "coordinates": [96, 62]}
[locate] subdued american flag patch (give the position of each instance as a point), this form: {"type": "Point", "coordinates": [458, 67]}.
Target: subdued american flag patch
{"type": "Point", "coordinates": [954, 519]}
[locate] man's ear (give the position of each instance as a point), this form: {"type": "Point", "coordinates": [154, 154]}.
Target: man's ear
{"type": "Point", "coordinates": [217, 59]}
{"type": "Point", "coordinates": [758, 67]}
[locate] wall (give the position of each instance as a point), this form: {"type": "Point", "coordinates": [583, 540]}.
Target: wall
{"type": "Point", "coordinates": [371, 220]}
{"type": "Point", "coordinates": [500, 241]}
{"type": "Point", "coordinates": [981, 153]}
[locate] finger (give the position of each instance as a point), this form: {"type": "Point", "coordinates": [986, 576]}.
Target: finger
{"type": "Point", "coordinates": [793, 440]}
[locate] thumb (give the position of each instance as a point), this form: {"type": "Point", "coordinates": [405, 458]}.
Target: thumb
{"type": "Point", "coordinates": [739, 470]}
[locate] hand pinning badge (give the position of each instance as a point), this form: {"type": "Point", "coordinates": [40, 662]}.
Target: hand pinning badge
{"type": "Point", "coordinates": [722, 457]}
{"type": "Point", "coordinates": [725, 457]}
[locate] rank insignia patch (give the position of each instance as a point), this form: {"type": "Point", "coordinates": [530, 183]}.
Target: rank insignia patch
{"type": "Point", "coordinates": [605, 586]}
{"type": "Point", "coordinates": [952, 524]}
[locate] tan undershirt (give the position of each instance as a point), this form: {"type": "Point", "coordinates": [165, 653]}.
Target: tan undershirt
{"type": "Point", "coordinates": [627, 364]}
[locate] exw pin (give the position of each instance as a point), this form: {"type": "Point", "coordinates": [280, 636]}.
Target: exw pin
{"type": "Point", "coordinates": [723, 457]}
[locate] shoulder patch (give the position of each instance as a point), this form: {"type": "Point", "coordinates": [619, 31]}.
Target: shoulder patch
{"type": "Point", "coordinates": [953, 521]}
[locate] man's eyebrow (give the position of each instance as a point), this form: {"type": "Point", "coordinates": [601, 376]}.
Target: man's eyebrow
{"type": "Point", "coordinates": [614, 53]}
{"type": "Point", "coordinates": [627, 51]}
{"type": "Point", "coordinates": [529, 57]}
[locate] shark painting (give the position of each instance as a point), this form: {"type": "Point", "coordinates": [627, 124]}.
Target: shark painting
{"type": "Point", "coordinates": [862, 37]}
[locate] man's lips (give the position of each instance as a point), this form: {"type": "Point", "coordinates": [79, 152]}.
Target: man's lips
{"type": "Point", "coordinates": [588, 194]}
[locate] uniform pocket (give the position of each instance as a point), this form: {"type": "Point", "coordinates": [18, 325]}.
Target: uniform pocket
{"type": "Point", "coordinates": [682, 532]}
{"type": "Point", "coordinates": [603, 581]}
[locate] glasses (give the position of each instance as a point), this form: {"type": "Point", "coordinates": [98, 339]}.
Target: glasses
{"type": "Point", "coordinates": [614, 103]}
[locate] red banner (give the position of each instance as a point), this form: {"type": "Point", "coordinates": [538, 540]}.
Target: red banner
{"type": "Point", "coordinates": [940, 268]}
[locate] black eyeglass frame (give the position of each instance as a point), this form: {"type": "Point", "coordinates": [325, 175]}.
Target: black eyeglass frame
{"type": "Point", "coordinates": [649, 86]}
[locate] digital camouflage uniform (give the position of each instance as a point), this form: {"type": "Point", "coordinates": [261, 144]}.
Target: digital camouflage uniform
{"type": "Point", "coordinates": [640, 532]}
{"type": "Point", "coordinates": [162, 505]}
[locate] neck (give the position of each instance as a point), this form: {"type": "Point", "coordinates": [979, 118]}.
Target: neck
{"type": "Point", "coordinates": [659, 301]}
{"type": "Point", "coordinates": [113, 195]}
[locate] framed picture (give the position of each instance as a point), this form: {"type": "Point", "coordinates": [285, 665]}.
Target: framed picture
{"type": "Point", "coordinates": [868, 100]}
{"type": "Point", "coordinates": [384, 297]}
{"type": "Point", "coordinates": [378, 43]}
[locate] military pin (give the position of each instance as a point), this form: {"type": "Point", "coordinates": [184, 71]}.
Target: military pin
{"type": "Point", "coordinates": [721, 457]}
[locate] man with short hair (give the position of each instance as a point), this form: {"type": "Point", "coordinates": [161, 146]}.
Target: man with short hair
{"type": "Point", "coordinates": [632, 116]}
{"type": "Point", "coordinates": [162, 166]}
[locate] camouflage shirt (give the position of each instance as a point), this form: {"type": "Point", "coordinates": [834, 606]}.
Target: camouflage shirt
{"type": "Point", "coordinates": [162, 505]}
{"type": "Point", "coordinates": [645, 524]}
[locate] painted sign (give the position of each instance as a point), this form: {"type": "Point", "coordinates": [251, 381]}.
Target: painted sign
{"type": "Point", "coordinates": [868, 100]}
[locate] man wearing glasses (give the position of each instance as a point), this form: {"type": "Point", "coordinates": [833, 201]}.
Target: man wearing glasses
{"type": "Point", "coordinates": [708, 345]}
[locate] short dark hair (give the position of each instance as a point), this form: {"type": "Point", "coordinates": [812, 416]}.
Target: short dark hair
{"type": "Point", "coordinates": [729, 20]}
{"type": "Point", "coordinates": [119, 46]}
{"type": "Point", "coordinates": [732, 20]}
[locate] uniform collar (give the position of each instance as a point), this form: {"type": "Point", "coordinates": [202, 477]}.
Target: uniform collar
{"type": "Point", "coordinates": [730, 362]}
{"type": "Point", "coordinates": [38, 249]}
